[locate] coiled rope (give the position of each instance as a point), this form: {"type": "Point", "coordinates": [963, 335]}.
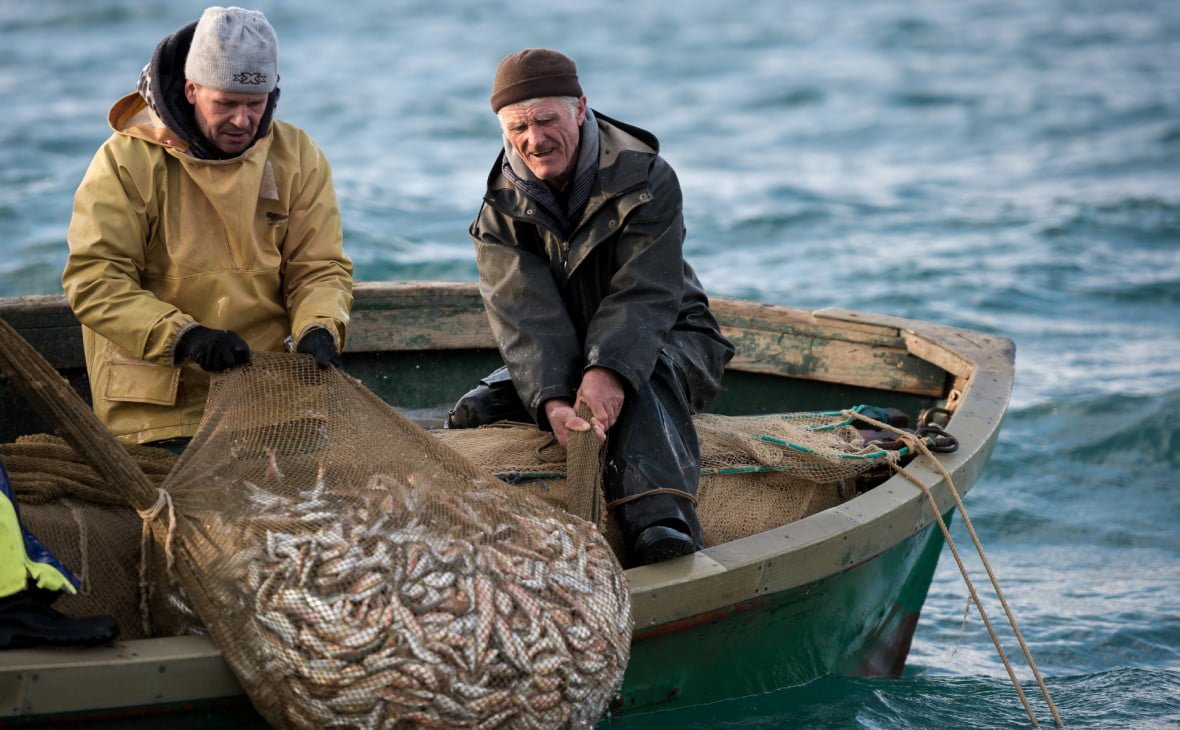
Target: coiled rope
{"type": "Point", "coordinates": [920, 445]}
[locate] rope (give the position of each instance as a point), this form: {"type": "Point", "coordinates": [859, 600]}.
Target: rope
{"type": "Point", "coordinates": [651, 492]}
{"type": "Point", "coordinates": [83, 544]}
{"type": "Point", "coordinates": [921, 446]}
{"type": "Point", "coordinates": [163, 500]}
{"type": "Point", "coordinates": [971, 589]}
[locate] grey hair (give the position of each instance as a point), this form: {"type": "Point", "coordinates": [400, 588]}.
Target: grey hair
{"type": "Point", "coordinates": [570, 101]}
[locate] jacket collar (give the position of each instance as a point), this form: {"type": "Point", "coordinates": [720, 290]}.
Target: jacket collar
{"type": "Point", "coordinates": [566, 206]}
{"type": "Point", "coordinates": [614, 174]}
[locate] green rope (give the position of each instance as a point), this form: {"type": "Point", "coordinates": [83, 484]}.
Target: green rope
{"type": "Point", "coordinates": [796, 447]}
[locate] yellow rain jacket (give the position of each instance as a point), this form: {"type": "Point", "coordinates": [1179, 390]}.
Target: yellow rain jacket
{"type": "Point", "coordinates": [161, 241]}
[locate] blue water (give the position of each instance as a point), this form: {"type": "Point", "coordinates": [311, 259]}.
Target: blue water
{"type": "Point", "coordinates": [1011, 166]}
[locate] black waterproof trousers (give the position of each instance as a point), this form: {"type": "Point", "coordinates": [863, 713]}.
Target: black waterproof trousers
{"type": "Point", "coordinates": [653, 445]}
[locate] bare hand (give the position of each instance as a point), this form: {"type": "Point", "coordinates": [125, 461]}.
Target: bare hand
{"type": "Point", "coordinates": [563, 419]}
{"type": "Point", "coordinates": [602, 392]}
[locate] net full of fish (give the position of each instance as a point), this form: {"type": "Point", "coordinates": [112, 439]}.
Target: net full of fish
{"type": "Point", "coordinates": [356, 572]}
{"type": "Point", "coordinates": [405, 602]}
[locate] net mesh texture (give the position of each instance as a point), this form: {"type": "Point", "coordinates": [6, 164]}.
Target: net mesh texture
{"type": "Point", "coordinates": [357, 570]}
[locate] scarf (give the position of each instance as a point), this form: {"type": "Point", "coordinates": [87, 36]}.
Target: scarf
{"type": "Point", "coordinates": [578, 191]}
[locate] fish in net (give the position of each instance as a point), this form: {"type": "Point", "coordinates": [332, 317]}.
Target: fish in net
{"type": "Point", "coordinates": [357, 572]}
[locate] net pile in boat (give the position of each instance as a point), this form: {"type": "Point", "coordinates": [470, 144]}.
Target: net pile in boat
{"type": "Point", "coordinates": [821, 447]}
{"type": "Point", "coordinates": [757, 472]}
{"type": "Point", "coordinates": [357, 572]}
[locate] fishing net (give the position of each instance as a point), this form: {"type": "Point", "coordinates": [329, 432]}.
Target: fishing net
{"type": "Point", "coordinates": [356, 572]}
{"type": "Point", "coordinates": [815, 447]}
{"type": "Point", "coordinates": [757, 472]}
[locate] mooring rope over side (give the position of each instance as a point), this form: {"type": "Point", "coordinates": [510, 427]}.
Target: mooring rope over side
{"type": "Point", "coordinates": [920, 445]}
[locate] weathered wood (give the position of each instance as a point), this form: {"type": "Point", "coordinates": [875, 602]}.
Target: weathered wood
{"type": "Point", "coordinates": [828, 345]}
{"type": "Point", "coordinates": [834, 361]}
{"type": "Point", "coordinates": [802, 322]}
{"type": "Point", "coordinates": [437, 328]}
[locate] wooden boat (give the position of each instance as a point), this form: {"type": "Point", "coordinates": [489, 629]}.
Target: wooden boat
{"type": "Point", "coordinates": [838, 592]}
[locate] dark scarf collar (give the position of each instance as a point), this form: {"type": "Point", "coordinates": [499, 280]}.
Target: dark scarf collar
{"type": "Point", "coordinates": [161, 84]}
{"type": "Point", "coordinates": [576, 194]}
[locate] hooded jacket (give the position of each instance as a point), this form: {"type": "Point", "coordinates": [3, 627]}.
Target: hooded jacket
{"type": "Point", "coordinates": [162, 239]}
{"type": "Point", "coordinates": [614, 292]}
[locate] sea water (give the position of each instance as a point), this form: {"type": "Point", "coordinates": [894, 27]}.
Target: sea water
{"type": "Point", "coordinates": [1011, 166]}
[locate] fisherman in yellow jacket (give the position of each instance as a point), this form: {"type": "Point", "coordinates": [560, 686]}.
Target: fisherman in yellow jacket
{"type": "Point", "coordinates": [202, 229]}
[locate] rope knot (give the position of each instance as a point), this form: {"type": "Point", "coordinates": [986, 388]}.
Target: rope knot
{"type": "Point", "coordinates": [163, 502]}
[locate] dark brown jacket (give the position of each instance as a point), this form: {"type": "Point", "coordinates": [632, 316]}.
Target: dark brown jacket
{"type": "Point", "coordinates": [613, 293]}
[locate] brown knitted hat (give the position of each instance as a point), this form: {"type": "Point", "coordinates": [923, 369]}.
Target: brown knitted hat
{"type": "Point", "coordinates": [532, 73]}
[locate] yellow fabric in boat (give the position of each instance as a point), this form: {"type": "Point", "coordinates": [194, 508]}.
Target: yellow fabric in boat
{"type": "Point", "coordinates": [16, 569]}
{"type": "Point", "coordinates": [12, 551]}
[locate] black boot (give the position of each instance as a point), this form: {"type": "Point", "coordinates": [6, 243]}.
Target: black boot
{"type": "Point", "coordinates": [662, 541]}
{"type": "Point", "coordinates": [27, 619]}
{"type": "Point", "coordinates": [494, 399]}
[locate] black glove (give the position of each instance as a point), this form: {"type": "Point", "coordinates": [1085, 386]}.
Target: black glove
{"type": "Point", "coordinates": [320, 344]}
{"type": "Point", "coordinates": [214, 350]}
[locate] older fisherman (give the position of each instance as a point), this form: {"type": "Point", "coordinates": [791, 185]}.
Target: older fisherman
{"type": "Point", "coordinates": [579, 245]}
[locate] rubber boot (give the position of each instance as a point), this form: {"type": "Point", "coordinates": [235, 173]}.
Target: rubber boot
{"type": "Point", "coordinates": [494, 399]}
{"type": "Point", "coordinates": [27, 619]}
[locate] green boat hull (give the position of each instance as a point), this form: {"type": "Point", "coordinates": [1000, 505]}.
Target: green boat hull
{"type": "Point", "coordinates": [860, 622]}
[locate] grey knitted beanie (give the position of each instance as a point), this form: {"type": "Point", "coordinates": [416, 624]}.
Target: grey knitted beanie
{"type": "Point", "coordinates": [234, 50]}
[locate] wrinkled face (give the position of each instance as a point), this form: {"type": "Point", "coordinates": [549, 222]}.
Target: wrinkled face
{"type": "Point", "coordinates": [545, 133]}
{"type": "Point", "coordinates": [227, 119]}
